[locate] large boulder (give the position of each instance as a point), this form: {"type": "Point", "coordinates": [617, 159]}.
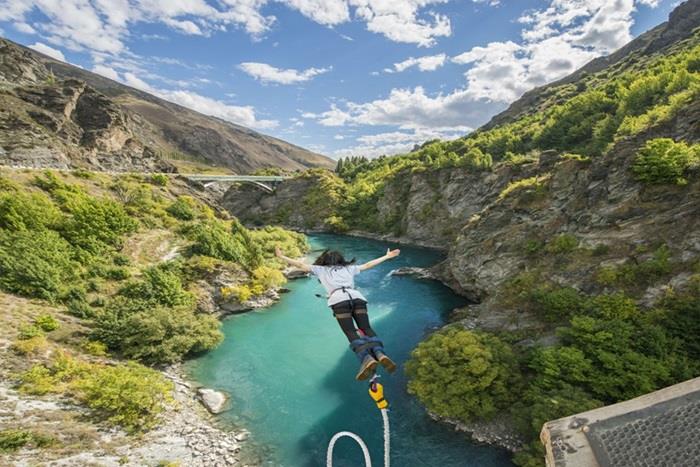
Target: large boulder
{"type": "Point", "coordinates": [214, 401]}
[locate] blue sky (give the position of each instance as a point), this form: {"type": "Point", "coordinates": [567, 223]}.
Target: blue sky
{"type": "Point", "coordinates": [340, 77]}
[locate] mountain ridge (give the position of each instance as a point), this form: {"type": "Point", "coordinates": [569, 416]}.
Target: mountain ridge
{"type": "Point", "coordinates": [170, 130]}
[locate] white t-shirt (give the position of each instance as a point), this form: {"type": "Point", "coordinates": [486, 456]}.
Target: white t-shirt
{"type": "Point", "coordinates": [335, 277]}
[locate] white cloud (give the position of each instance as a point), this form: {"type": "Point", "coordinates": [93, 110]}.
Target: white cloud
{"type": "Point", "coordinates": [556, 41]}
{"type": "Point", "coordinates": [326, 12]}
{"type": "Point", "coordinates": [425, 63]}
{"type": "Point", "coordinates": [104, 25]}
{"type": "Point", "coordinates": [400, 21]}
{"type": "Point", "coordinates": [187, 27]}
{"type": "Point", "coordinates": [270, 74]}
{"type": "Point", "coordinates": [408, 109]}
{"type": "Point", "coordinates": [395, 142]}
{"type": "Point", "coordinates": [46, 50]}
{"type": "Point", "coordinates": [240, 115]}
{"type": "Point", "coordinates": [25, 28]}
{"type": "Point", "coordinates": [106, 71]}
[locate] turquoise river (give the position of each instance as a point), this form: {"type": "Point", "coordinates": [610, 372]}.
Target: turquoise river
{"type": "Point", "coordinates": [290, 374]}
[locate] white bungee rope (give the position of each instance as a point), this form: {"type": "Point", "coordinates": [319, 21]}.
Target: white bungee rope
{"type": "Point", "coordinates": [376, 391]}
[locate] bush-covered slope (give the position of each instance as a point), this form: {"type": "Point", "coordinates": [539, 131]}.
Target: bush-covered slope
{"type": "Point", "coordinates": [126, 272]}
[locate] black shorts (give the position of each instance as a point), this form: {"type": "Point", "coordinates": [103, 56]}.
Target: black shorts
{"type": "Point", "coordinates": [348, 306]}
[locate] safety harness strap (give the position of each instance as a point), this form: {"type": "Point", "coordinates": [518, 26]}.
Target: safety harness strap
{"type": "Point", "coordinates": [363, 346]}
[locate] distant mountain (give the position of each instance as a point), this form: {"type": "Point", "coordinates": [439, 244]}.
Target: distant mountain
{"type": "Point", "coordinates": [58, 115]}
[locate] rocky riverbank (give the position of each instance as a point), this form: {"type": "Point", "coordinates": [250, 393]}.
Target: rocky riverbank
{"type": "Point", "coordinates": [187, 435]}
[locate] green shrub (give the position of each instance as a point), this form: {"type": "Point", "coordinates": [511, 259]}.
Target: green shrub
{"type": "Point", "coordinates": [32, 346]}
{"type": "Point", "coordinates": [157, 334]}
{"type": "Point", "coordinates": [627, 357]}
{"type": "Point", "coordinates": [614, 306]}
{"type": "Point", "coordinates": [96, 223]}
{"type": "Point", "coordinates": [35, 264]}
{"type": "Point", "coordinates": [117, 274]}
{"type": "Point", "coordinates": [635, 274]}
{"type": "Point", "coordinates": [82, 173]}
{"type": "Point", "coordinates": [184, 208]}
{"type": "Point", "coordinates": [121, 260]}
{"type": "Point", "coordinates": [292, 244]}
{"type": "Point", "coordinates": [242, 292]}
{"type": "Point", "coordinates": [27, 211]}
{"type": "Point", "coordinates": [160, 285]}
{"type": "Point", "coordinates": [663, 161]}
{"type": "Point", "coordinates": [212, 239]}
{"type": "Point", "coordinates": [532, 188]}
{"type": "Point", "coordinates": [680, 316]}
{"type": "Point", "coordinates": [29, 331]}
{"type": "Point", "coordinates": [128, 395]}
{"type": "Point", "coordinates": [95, 348]}
{"type": "Point", "coordinates": [131, 396]}
{"type": "Point", "coordinates": [463, 374]}
{"type": "Point", "coordinates": [557, 304]}
{"type": "Point", "coordinates": [46, 323]}
{"type": "Point", "coordinates": [600, 249]}
{"type": "Point", "coordinates": [533, 247]}
{"type": "Point", "coordinates": [153, 320]}
{"type": "Point", "coordinates": [562, 244]}
{"type": "Point", "coordinates": [13, 439]}
{"type": "Point", "coordinates": [80, 309]}
{"type": "Point", "coordinates": [574, 125]}
{"type": "Point", "coordinates": [160, 179]}
{"type": "Point", "coordinates": [336, 224]}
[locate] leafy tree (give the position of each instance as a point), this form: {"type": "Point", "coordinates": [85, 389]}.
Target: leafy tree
{"type": "Point", "coordinates": [463, 374]}
{"type": "Point", "coordinates": [160, 285]}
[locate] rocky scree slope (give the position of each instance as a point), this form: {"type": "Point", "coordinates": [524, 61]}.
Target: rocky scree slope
{"type": "Point", "coordinates": [57, 115]}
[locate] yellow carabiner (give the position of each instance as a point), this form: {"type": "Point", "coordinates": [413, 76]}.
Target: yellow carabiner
{"type": "Point", "coordinates": [376, 392]}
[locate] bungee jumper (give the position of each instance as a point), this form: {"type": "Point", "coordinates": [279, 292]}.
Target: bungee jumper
{"type": "Point", "coordinates": [337, 275]}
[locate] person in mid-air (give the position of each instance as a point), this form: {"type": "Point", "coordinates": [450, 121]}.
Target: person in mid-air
{"type": "Point", "coordinates": [349, 306]}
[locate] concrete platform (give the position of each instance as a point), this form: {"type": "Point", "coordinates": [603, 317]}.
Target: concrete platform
{"type": "Point", "coordinates": [658, 429]}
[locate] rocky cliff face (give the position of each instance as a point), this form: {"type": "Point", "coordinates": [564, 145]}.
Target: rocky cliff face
{"type": "Point", "coordinates": [614, 220]}
{"type": "Point", "coordinates": [49, 122]}
{"type": "Point", "coordinates": [57, 115]}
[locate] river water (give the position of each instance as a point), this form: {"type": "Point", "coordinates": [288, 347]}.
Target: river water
{"type": "Point", "coordinates": [290, 373]}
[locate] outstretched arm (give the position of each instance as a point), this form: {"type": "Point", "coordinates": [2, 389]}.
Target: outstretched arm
{"type": "Point", "coordinates": [294, 262]}
{"type": "Point", "coordinates": [389, 254]}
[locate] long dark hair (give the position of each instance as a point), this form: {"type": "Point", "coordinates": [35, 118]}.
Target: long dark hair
{"type": "Point", "coordinates": [332, 258]}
